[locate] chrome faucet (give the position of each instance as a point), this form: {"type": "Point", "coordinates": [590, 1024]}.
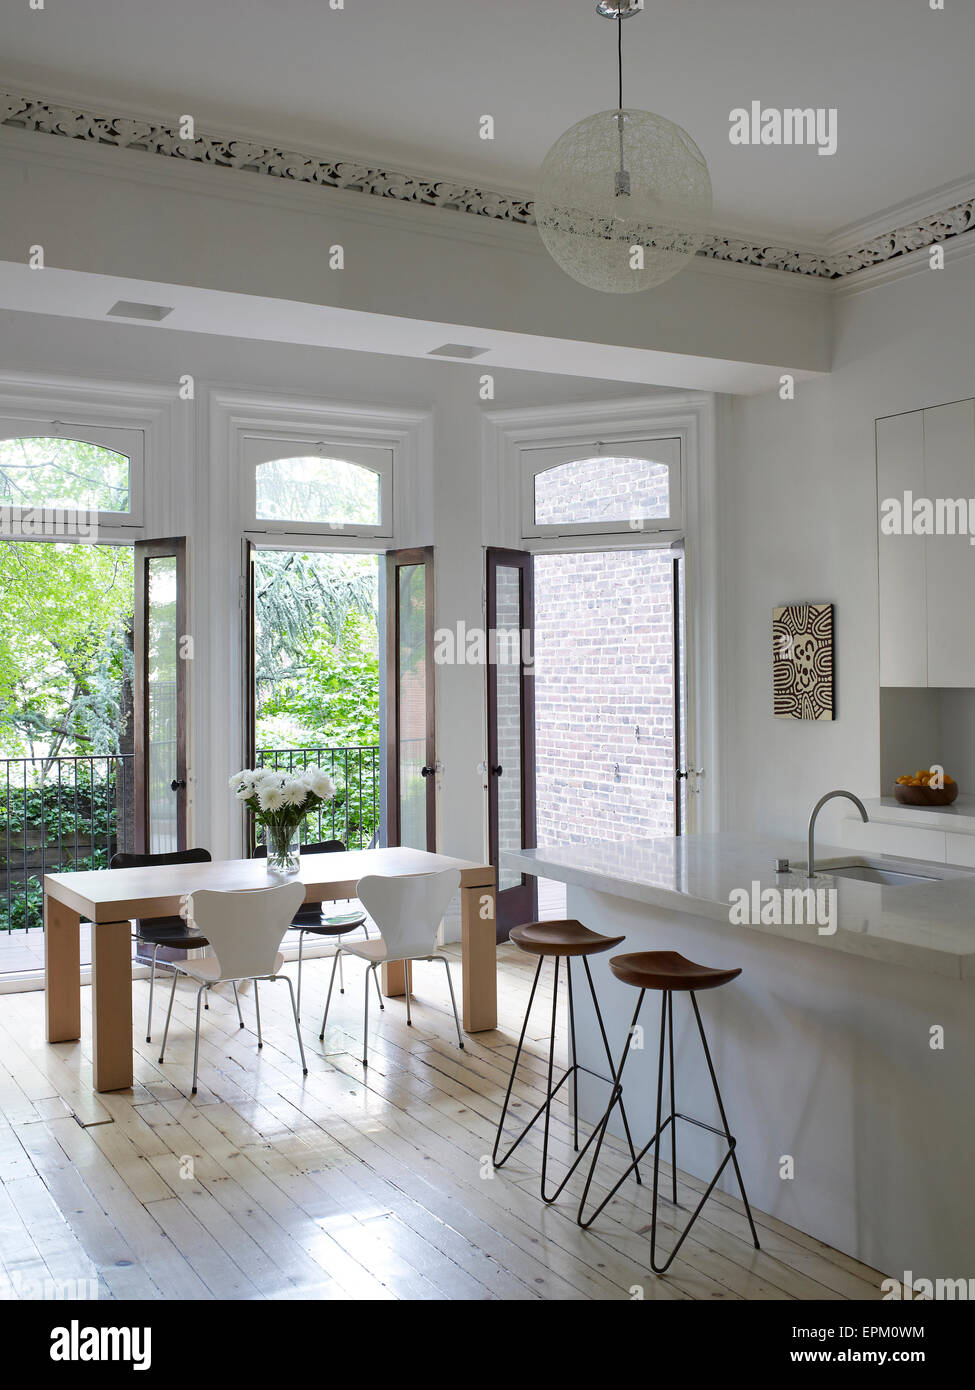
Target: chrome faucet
{"type": "Point", "coordinates": [810, 865]}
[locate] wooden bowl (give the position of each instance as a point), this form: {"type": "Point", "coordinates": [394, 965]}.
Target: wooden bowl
{"type": "Point", "coordinates": [925, 796]}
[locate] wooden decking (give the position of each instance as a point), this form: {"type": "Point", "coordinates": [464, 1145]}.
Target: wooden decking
{"type": "Point", "coordinates": [344, 1184]}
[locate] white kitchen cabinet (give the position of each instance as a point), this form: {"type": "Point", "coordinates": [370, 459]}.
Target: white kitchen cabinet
{"type": "Point", "coordinates": [927, 582]}
{"type": "Point", "coordinates": [949, 466]}
{"type": "Point", "coordinates": [903, 621]}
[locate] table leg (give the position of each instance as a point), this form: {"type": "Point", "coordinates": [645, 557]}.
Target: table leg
{"type": "Point", "coordinates": [479, 963]}
{"type": "Point", "coordinates": [111, 1005]}
{"type": "Point", "coordinates": [393, 981]}
{"type": "Point", "coordinates": [62, 971]}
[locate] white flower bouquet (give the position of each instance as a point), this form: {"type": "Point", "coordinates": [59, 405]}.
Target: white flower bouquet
{"type": "Point", "coordinates": [280, 802]}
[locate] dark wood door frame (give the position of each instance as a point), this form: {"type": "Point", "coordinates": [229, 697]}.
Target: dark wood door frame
{"type": "Point", "coordinates": [173, 547]}
{"type": "Point", "coordinates": [518, 904]}
{"type": "Point", "coordinates": [395, 561]}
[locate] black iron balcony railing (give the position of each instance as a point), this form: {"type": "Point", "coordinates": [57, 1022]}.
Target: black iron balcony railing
{"type": "Point", "coordinates": [58, 813]}
{"type": "Point", "coordinates": [76, 812]}
{"type": "Point", "coordinates": [353, 814]}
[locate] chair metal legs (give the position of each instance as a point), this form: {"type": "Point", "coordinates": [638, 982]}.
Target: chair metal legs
{"type": "Point", "coordinates": [365, 1025]}
{"type": "Point", "coordinates": [294, 1010]}
{"type": "Point", "coordinates": [552, 1091]}
{"type": "Point", "coordinates": [453, 1001]}
{"type": "Point", "coordinates": [257, 1010]}
{"type": "Point", "coordinates": [196, 1037]}
{"type": "Point", "coordinates": [152, 981]}
{"type": "Point", "coordinates": [328, 997]}
{"type": "Point", "coordinates": [450, 986]}
{"type": "Point", "coordinates": [240, 1016]}
{"type": "Point", "coordinates": [169, 1014]}
{"type": "Point", "coordinates": [201, 992]}
{"type": "Point", "coordinates": [301, 947]}
{"type": "Point", "coordinates": [371, 969]}
{"type": "Point", "coordinates": [337, 961]}
{"type": "Point", "coordinates": [662, 1123]}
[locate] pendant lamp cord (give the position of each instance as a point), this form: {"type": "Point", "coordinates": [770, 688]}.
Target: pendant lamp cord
{"type": "Point", "coordinates": [619, 43]}
{"type": "Point", "coordinates": [621, 177]}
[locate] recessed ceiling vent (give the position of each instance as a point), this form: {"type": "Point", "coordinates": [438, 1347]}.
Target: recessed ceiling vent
{"type": "Point", "coordinates": [127, 309]}
{"type": "Point", "coordinates": [457, 350]}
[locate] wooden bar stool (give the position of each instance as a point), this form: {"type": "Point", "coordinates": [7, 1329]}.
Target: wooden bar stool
{"type": "Point", "coordinates": [667, 972]}
{"type": "Point", "coordinates": [556, 940]}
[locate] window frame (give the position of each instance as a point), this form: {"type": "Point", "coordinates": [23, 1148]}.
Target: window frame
{"type": "Point", "coordinates": [259, 447]}
{"type": "Point", "coordinates": [127, 440]}
{"type": "Point", "coordinates": [541, 458]}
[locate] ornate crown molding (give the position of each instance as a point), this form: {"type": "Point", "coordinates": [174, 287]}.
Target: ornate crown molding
{"type": "Point", "coordinates": [125, 132]}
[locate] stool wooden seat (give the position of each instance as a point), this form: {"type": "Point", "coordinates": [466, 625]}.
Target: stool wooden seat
{"type": "Point", "coordinates": [565, 937]}
{"type": "Point", "coordinates": [667, 970]}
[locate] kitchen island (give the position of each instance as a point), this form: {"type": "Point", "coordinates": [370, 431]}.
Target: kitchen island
{"type": "Point", "coordinates": [845, 1051]}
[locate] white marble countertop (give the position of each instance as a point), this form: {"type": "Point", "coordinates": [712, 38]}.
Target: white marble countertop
{"type": "Point", "coordinates": [925, 926]}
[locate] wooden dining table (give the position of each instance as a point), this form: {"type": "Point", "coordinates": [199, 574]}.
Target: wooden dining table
{"type": "Point", "coordinates": [111, 898]}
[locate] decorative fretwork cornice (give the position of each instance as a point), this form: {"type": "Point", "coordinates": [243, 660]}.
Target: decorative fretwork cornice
{"type": "Point", "coordinates": [51, 118]}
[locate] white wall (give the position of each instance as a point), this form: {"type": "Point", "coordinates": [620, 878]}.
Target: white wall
{"type": "Point", "coordinates": [117, 212]}
{"type": "Point", "coordinates": [56, 347]}
{"type": "Point", "coordinates": [797, 520]}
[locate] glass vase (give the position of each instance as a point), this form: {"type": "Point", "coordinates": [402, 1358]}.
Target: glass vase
{"type": "Point", "coordinates": [282, 849]}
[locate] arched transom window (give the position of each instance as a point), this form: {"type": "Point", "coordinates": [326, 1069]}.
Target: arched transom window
{"type": "Point", "coordinates": [610, 488]}
{"type": "Point", "coordinates": [311, 487]}
{"type": "Point", "coordinates": [95, 472]}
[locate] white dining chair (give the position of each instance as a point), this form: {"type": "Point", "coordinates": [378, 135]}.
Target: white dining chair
{"type": "Point", "coordinates": [245, 931]}
{"type": "Point", "coordinates": [408, 911]}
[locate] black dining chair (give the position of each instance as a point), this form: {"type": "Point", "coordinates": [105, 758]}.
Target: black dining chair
{"type": "Point", "coordinates": [172, 932]}
{"type": "Point", "coordinates": [310, 918]}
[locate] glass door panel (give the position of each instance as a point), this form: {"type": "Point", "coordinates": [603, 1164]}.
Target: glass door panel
{"type": "Point", "coordinates": [410, 728]}
{"type": "Point", "coordinates": [160, 698]}
{"type": "Point", "coordinates": [511, 729]}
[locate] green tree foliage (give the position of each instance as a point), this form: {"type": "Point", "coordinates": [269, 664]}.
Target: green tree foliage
{"type": "Point", "coordinates": [66, 473]}
{"type": "Point", "coordinates": [317, 661]}
{"type": "Point", "coordinates": [317, 650]}
{"type": "Point", "coordinates": [64, 647]}
{"type": "Point", "coordinates": [333, 699]}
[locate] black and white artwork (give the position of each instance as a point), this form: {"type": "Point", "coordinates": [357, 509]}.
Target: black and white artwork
{"type": "Point", "coordinates": [802, 661]}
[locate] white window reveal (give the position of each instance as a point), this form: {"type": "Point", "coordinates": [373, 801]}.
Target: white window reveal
{"type": "Point", "coordinates": [631, 486]}
{"type": "Point", "coordinates": [322, 486]}
{"type": "Point", "coordinates": [49, 469]}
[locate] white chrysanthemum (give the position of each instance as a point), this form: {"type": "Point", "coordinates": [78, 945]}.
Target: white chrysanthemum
{"type": "Point", "coordinates": [320, 783]}
{"type": "Point", "coordinates": [295, 792]}
{"type": "Point", "coordinates": [269, 777]}
{"type": "Point", "coordinates": [240, 778]}
{"type": "Point", "coordinates": [270, 797]}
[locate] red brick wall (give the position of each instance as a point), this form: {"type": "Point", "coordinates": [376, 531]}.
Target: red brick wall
{"type": "Point", "coordinates": [604, 652]}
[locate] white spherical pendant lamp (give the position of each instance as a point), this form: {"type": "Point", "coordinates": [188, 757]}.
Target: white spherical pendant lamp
{"type": "Point", "coordinates": [623, 198]}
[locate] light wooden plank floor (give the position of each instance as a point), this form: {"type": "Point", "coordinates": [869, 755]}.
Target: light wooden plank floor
{"type": "Point", "coordinates": [343, 1184]}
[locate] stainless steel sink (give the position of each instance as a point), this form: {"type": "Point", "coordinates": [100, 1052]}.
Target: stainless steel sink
{"type": "Point", "coordinates": [868, 874]}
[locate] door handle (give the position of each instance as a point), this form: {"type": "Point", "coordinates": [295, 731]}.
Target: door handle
{"type": "Point", "coordinates": [497, 771]}
{"type": "Point", "coordinates": [428, 771]}
{"type": "Point", "coordinates": [177, 784]}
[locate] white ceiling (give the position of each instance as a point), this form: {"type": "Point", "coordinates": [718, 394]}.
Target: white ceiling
{"type": "Point", "coordinates": [405, 81]}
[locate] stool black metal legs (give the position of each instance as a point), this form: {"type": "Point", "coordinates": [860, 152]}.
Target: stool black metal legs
{"type": "Point", "coordinates": [552, 1091]}
{"type": "Point", "coordinates": [662, 1123]}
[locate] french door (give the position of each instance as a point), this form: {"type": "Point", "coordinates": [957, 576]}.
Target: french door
{"type": "Point", "coordinates": [511, 730]}
{"type": "Point", "coordinates": [161, 649]}
{"type": "Point", "coordinates": [411, 748]}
